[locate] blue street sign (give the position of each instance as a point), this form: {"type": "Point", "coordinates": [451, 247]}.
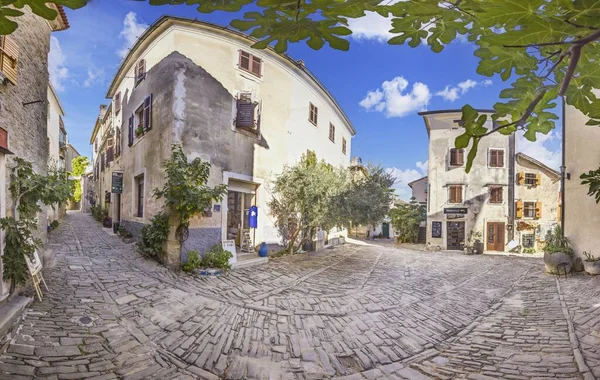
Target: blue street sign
{"type": "Point", "coordinates": [253, 217]}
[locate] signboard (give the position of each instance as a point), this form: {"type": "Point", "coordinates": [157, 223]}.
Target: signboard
{"type": "Point", "coordinates": [34, 264]}
{"type": "Point", "coordinates": [436, 229]}
{"type": "Point", "coordinates": [455, 216]}
{"type": "Point", "coordinates": [229, 245]}
{"type": "Point", "coordinates": [253, 217]}
{"type": "Point", "coordinates": [455, 210]}
{"type": "Point", "coordinates": [117, 182]}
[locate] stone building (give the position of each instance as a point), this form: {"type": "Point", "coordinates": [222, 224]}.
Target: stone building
{"type": "Point", "coordinates": [24, 82]}
{"type": "Point", "coordinates": [537, 203]}
{"type": "Point", "coordinates": [419, 190]}
{"type": "Point", "coordinates": [459, 202]}
{"type": "Point", "coordinates": [249, 112]}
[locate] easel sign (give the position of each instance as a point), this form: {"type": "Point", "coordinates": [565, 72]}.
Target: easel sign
{"type": "Point", "coordinates": [34, 264]}
{"type": "Point", "coordinates": [229, 245]}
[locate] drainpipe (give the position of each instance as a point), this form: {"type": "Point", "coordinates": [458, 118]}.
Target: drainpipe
{"type": "Point", "coordinates": [563, 169]}
{"type": "Point", "coordinates": [511, 185]}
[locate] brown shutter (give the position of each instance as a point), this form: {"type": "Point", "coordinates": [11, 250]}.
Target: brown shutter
{"type": "Point", "coordinates": [256, 66]}
{"type": "Point", "coordinates": [538, 210]}
{"type": "Point", "coordinates": [148, 113]}
{"type": "Point", "coordinates": [140, 70]}
{"type": "Point", "coordinates": [538, 179]}
{"type": "Point", "coordinates": [244, 60]}
{"type": "Point", "coordinates": [130, 137]}
{"type": "Point", "coordinates": [493, 159]}
{"type": "Point", "coordinates": [245, 113]}
{"type": "Point", "coordinates": [9, 58]}
{"type": "Point", "coordinates": [118, 102]}
{"type": "Point", "coordinates": [500, 158]}
{"type": "Point", "coordinates": [519, 209]}
{"type": "Point", "coordinates": [520, 178]}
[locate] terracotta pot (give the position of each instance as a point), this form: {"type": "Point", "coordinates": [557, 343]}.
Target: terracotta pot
{"type": "Point", "coordinates": [552, 260]}
{"type": "Point", "coordinates": [592, 267]}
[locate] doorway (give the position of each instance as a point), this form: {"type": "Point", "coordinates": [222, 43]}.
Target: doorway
{"type": "Point", "coordinates": [238, 209]}
{"type": "Point", "coordinates": [386, 230]}
{"type": "Point", "coordinates": [495, 236]}
{"type": "Point", "coordinates": [456, 235]}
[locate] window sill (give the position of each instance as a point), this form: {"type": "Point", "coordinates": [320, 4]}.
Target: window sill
{"type": "Point", "coordinates": [248, 133]}
{"type": "Point", "coordinates": [138, 139]}
{"type": "Point", "coordinates": [249, 75]}
{"type": "Point", "coordinates": [313, 124]}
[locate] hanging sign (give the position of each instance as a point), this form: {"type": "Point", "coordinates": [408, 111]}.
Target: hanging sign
{"type": "Point", "coordinates": [117, 182]}
{"type": "Point", "coordinates": [253, 217]}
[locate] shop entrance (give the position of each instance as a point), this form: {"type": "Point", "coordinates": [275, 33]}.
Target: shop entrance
{"type": "Point", "coordinates": [239, 201]}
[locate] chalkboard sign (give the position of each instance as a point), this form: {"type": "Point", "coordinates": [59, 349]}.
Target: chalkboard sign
{"type": "Point", "coordinates": [436, 229]}
{"type": "Point", "coordinates": [117, 182]}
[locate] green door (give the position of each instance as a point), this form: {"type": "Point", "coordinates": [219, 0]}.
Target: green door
{"type": "Point", "coordinates": [386, 230]}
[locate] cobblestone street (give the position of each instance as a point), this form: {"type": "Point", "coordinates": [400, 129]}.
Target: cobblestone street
{"type": "Point", "coordinates": [353, 312]}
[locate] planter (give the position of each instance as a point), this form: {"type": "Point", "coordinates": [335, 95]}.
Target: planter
{"type": "Point", "coordinates": [592, 267]}
{"type": "Point", "coordinates": [553, 260]}
{"type": "Point", "coordinates": [478, 247]}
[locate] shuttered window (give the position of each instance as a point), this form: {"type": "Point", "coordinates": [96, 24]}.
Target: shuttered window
{"type": "Point", "coordinates": [343, 145]}
{"type": "Point", "coordinates": [118, 143]}
{"type": "Point", "coordinates": [147, 113]}
{"type": "Point", "coordinates": [529, 209]}
{"type": "Point", "coordinates": [250, 63]}
{"type": "Point", "coordinates": [530, 179]}
{"type": "Point", "coordinates": [245, 111]}
{"type": "Point", "coordinates": [331, 132]}
{"type": "Point", "coordinates": [455, 194]}
{"type": "Point", "coordinates": [139, 188]}
{"type": "Point", "coordinates": [313, 114]}
{"type": "Point", "coordinates": [140, 71]}
{"type": "Point", "coordinates": [9, 58]}
{"type": "Point", "coordinates": [496, 159]}
{"type": "Point", "coordinates": [118, 102]}
{"type": "Point", "coordinates": [130, 131]}
{"type": "Point", "coordinates": [457, 157]}
{"type": "Point", "coordinates": [496, 194]}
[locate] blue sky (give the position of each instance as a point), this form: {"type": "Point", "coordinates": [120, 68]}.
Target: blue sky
{"type": "Point", "coordinates": [380, 87]}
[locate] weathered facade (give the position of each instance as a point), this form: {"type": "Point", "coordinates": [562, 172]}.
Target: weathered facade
{"type": "Point", "coordinates": [57, 140]}
{"type": "Point", "coordinates": [23, 96]}
{"type": "Point", "coordinates": [420, 190]}
{"type": "Point", "coordinates": [581, 154]}
{"type": "Point", "coordinates": [248, 112]}
{"type": "Point", "coordinates": [460, 203]}
{"type": "Point", "coordinates": [537, 203]}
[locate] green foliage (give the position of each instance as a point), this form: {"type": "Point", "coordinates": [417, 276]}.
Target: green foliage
{"type": "Point", "coordinates": [54, 225]}
{"type": "Point", "coordinates": [557, 242]}
{"type": "Point", "coordinates": [123, 232]}
{"type": "Point", "coordinates": [185, 192]}
{"type": "Point", "coordinates": [529, 250]}
{"type": "Point", "coordinates": [154, 235]}
{"type": "Point", "coordinates": [11, 8]}
{"type": "Point", "coordinates": [406, 219]}
{"type": "Point", "coordinates": [79, 164]}
{"type": "Point", "coordinates": [194, 262]}
{"type": "Point", "coordinates": [99, 213]}
{"type": "Point", "coordinates": [303, 200]}
{"type": "Point", "coordinates": [217, 257]}
{"type": "Point", "coordinates": [592, 179]}
{"type": "Point", "coordinates": [516, 249]}
{"type": "Point", "coordinates": [19, 242]}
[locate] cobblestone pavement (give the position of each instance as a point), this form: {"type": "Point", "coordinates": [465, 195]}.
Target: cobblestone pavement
{"type": "Point", "coordinates": [354, 312]}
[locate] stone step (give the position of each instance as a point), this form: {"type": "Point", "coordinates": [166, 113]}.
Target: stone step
{"type": "Point", "coordinates": [249, 261]}
{"type": "Point", "coordinates": [10, 315]}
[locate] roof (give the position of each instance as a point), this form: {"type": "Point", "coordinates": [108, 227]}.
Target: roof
{"type": "Point", "coordinates": [72, 147]}
{"type": "Point", "coordinates": [61, 22]}
{"type": "Point", "coordinates": [55, 95]}
{"type": "Point", "coordinates": [538, 163]}
{"type": "Point", "coordinates": [416, 180]}
{"type": "Point", "coordinates": [251, 40]}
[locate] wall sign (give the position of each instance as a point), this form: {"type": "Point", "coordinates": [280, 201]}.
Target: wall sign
{"type": "Point", "coordinates": [455, 210]}
{"type": "Point", "coordinates": [436, 229]}
{"type": "Point", "coordinates": [117, 182]}
{"type": "Point", "coordinates": [253, 217]}
{"type": "Point", "coordinates": [455, 216]}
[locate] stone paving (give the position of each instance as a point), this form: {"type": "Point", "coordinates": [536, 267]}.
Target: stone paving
{"type": "Point", "coordinates": [353, 312]}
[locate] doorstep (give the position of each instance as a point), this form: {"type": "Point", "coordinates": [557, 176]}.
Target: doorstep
{"type": "Point", "coordinates": [245, 260]}
{"type": "Point", "coordinates": [10, 315]}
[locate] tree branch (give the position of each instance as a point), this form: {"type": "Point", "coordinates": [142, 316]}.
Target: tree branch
{"type": "Point", "coordinates": [580, 26]}
{"type": "Point", "coordinates": [575, 53]}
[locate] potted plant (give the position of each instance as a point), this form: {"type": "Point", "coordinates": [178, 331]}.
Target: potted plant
{"type": "Point", "coordinates": [107, 222]}
{"type": "Point", "coordinates": [591, 264]}
{"type": "Point", "coordinates": [557, 252]}
{"type": "Point", "coordinates": [139, 131]}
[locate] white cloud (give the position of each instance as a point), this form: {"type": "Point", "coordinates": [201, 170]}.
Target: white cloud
{"type": "Point", "coordinates": [392, 99]}
{"type": "Point", "coordinates": [452, 93]}
{"type": "Point", "coordinates": [94, 76]}
{"type": "Point", "coordinates": [57, 61]}
{"type": "Point", "coordinates": [545, 149]}
{"type": "Point", "coordinates": [371, 27]}
{"type": "Point", "coordinates": [406, 176]}
{"type": "Point", "coordinates": [132, 29]}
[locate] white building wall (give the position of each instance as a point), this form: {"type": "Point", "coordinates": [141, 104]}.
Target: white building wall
{"type": "Point", "coordinates": [55, 112]}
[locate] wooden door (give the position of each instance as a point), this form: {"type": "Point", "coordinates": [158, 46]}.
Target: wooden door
{"type": "Point", "coordinates": [456, 235]}
{"type": "Point", "coordinates": [495, 236]}
{"type": "Point", "coordinates": [386, 230]}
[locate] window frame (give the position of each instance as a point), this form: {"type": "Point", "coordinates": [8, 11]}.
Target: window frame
{"type": "Point", "coordinates": [534, 178]}
{"type": "Point", "coordinates": [251, 63]}
{"type": "Point", "coordinates": [313, 111]}
{"type": "Point", "coordinates": [492, 200]}
{"type": "Point", "coordinates": [332, 133]}
{"type": "Point", "coordinates": [140, 76]}
{"type": "Point", "coordinates": [525, 209]}
{"type": "Point", "coordinates": [344, 145]}
{"type": "Point", "coordinates": [140, 196]}
{"type": "Point", "coordinates": [450, 158]}
{"type": "Point", "coordinates": [462, 194]}
{"type": "Point", "coordinates": [528, 236]}
{"type": "Point", "coordinates": [496, 150]}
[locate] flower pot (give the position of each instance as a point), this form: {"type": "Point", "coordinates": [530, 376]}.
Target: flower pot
{"type": "Point", "coordinates": [478, 247]}
{"type": "Point", "coordinates": [592, 267]}
{"type": "Point", "coordinates": [263, 251]}
{"type": "Point", "coordinates": [553, 260]}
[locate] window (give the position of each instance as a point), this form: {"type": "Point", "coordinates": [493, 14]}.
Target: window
{"type": "Point", "coordinates": [141, 120]}
{"type": "Point", "coordinates": [496, 159]}
{"type": "Point", "coordinates": [457, 157]}
{"type": "Point", "coordinates": [496, 194]}
{"type": "Point", "coordinates": [139, 188]}
{"type": "Point", "coordinates": [118, 102]}
{"type": "Point", "coordinates": [250, 63]}
{"type": "Point", "coordinates": [331, 132]}
{"type": "Point", "coordinates": [528, 241]}
{"type": "Point", "coordinates": [343, 145]}
{"type": "Point", "coordinates": [118, 142]}
{"type": "Point", "coordinates": [245, 111]}
{"type": "Point", "coordinates": [455, 194]}
{"type": "Point", "coordinates": [140, 71]}
{"type": "Point", "coordinates": [9, 58]}
{"type": "Point", "coordinates": [313, 114]}
{"type": "Point", "coordinates": [530, 179]}
{"type": "Point", "coordinates": [529, 209]}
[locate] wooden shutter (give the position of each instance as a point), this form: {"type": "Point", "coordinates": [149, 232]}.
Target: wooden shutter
{"type": "Point", "coordinates": [493, 159]}
{"type": "Point", "coordinates": [520, 178]}
{"type": "Point", "coordinates": [500, 158]}
{"type": "Point", "coordinates": [538, 179]}
{"type": "Point", "coordinates": [519, 209]}
{"type": "Point", "coordinates": [148, 113]}
{"type": "Point", "coordinates": [256, 66]}
{"type": "Point", "coordinates": [538, 210]}
{"type": "Point", "coordinates": [140, 70]}
{"type": "Point", "coordinates": [244, 60]}
{"type": "Point", "coordinates": [9, 58]}
{"type": "Point", "coordinates": [455, 194]}
{"type": "Point", "coordinates": [118, 102]}
{"type": "Point", "coordinates": [245, 112]}
{"type": "Point", "coordinates": [130, 129]}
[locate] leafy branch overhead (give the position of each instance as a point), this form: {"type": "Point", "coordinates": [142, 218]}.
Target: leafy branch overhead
{"type": "Point", "coordinates": [543, 49]}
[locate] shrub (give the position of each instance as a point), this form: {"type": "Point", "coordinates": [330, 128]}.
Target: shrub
{"type": "Point", "coordinates": [123, 232]}
{"type": "Point", "coordinates": [557, 242]}
{"type": "Point", "coordinates": [154, 235]}
{"type": "Point", "coordinates": [54, 224]}
{"type": "Point", "coordinates": [194, 262]}
{"type": "Point", "coordinates": [217, 257]}
{"type": "Point", "coordinates": [529, 250]}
